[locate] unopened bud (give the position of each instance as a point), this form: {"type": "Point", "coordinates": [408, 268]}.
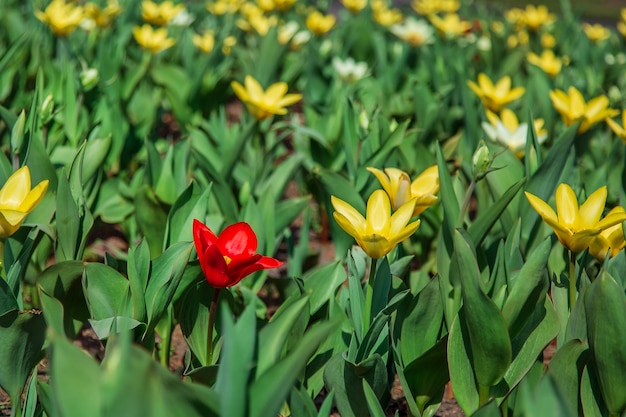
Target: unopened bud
{"type": "Point", "coordinates": [364, 121]}
{"type": "Point", "coordinates": [17, 133]}
{"type": "Point", "coordinates": [89, 78]}
{"type": "Point", "coordinates": [480, 161]}
{"type": "Point", "coordinates": [47, 109]}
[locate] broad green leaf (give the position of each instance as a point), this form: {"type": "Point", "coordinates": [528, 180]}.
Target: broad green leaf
{"type": "Point", "coordinates": [134, 384]}
{"type": "Point", "coordinates": [150, 215]}
{"type": "Point", "coordinates": [8, 303]}
{"type": "Point", "coordinates": [193, 317]}
{"type": "Point", "coordinates": [75, 381]}
{"type": "Point", "coordinates": [490, 409]}
{"type": "Point", "coordinates": [382, 286]}
{"type": "Point", "coordinates": [528, 289]}
{"type": "Point", "coordinates": [357, 299]}
{"type": "Point", "coordinates": [566, 366]}
{"type": "Point", "coordinates": [447, 196]}
{"type": "Point", "coordinates": [591, 395]}
{"type": "Point", "coordinates": [544, 397]}
{"type": "Point", "coordinates": [426, 376]}
{"type": "Point", "coordinates": [106, 291]}
{"type": "Point", "coordinates": [236, 363]}
{"type": "Point", "coordinates": [166, 273]}
{"type": "Point", "coordinates": [422, 317]}
{"type": "Point", "coordinates": [138, 270]}
{"type": "Point", "coordinates": [344, 378]}
{"type": "Point", "coordinates": [487, 333]}
{"type": "Point", "coordinates": [605, 308]}
{"type": "Point", "coordinates": [373, 405]}
{"type": "Point", "coordinates": [191, 204]}
{"type": "Point", "coordinates": [269, 391]}
{"type": "Point", "coordinates": [322, 283]}
{"type": "Point", "coordinates": [23, 336]}
{"type": "Point", "coordinates": [68, 228]}
{"type": "Point", "coordinates": [273, 336]}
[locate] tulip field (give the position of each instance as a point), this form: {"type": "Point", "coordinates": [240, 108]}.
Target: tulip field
{"type": "Point", "coordinates": [259, 208]}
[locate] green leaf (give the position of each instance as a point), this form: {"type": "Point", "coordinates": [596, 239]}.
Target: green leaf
{"type": "Point", "coordinates": [536, 400]}
{"type": "Point", "coordinates": [190, 204]}
{"type": "Point", "coordinates": [8, 302]}
{"type": "Point", "coordinates": [150, 215]}
{"type": "Point", "coordinates": [566, 366]}
{"type": "Point", "coordinates": [426, 376]}
{"type": "Point", "coordinates": [490, 409]}
{"type": "Point", "coordinates": [68, 228]}
{"type": "Point", "coordinates": [423, 316]}
{"type": "Point", "coordinates": [479, 229]}
{"type": "Point", "coordinates": [292, 314]}
{"type": "Point", "coordinates": [357, 299]}
{"type": "Point", "coordinates": [486, 330]}
{"type": "Point", "coordinates": [373, 405]}
{"type": "Point", "coordinates": [23, 336]}
{"type": "Point", "coordinates": [590, 395]}
{"type": "Point", "coordinates": [382, 286]}
{"type": "Point", "coordinates": [344, 378]}
{"type": "Point", "coordinates": [166, 273]}
{"type": "Point", "coordinates": [75, 378]}
{"type": "Point", "coordinates": [528, 289]}
{"type": "Point", "coordinates": [236, 361]}
{"type": "Point", "coordinates": [269, 391]}
{"type": "Point", "coordinates": [322, 283]}
{"type": "Point", "coordinates": [605, 308]}
{"type": "Point", "coordinates": [134, 384]}
{"type": "Point", "coordinates": [447, 196]}
{"type": "Point", "coordinates": [193, 317]}
{"type": "Point", "coordinates": [106, 291]}
{"type": "Point", "coordinates": [138, 270]}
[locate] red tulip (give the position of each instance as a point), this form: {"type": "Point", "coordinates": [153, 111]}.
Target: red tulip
{"type": "Point", "coordinates": [228, 258]}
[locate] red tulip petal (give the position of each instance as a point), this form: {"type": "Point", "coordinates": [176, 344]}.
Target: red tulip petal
{"type": "Point", "coordinates": [203, 236]}
{"type": "Point", "coordinates": [238, 241]}
{"type": "Point", "coordinates": [243, 268]}
{"type": "Point", "coordinates": [215, 269]}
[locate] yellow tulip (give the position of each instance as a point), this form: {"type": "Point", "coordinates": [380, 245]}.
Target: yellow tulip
{"type": "Point", "coordinates": [450, 26]}
{"type": "Point", "coordinates": [62, 18]}
{"type": "Point", "coordinates": [320, 24]}
{"type": "Point", "coordinates": [573, 108]}
{"type": "Point", "coordinates": [160, 14]}
{"type": "Point", "coordinates": [379, 232]}
{"type": "Point", "coordinates": [430, 7]}
{"type": "Point", "coordinates": [534, 17]}
{"type": "Point", "coordinates": [354, 6]}
{"type": "Point", "coordinates": [401, 190]}
{"type": "Point", "coordinates": [385, 16]}
{"type": "Point", "coordinates": [264, 104]}
{"type": "Point", "coordinates": [548, 62]}
{"type": "Point", "coordinates": [575, 226]}
{"type": "Point", "coordinates": [204, 42]}
{"type": "Point", "coordinates": [102, 17]}
{"type": "Point", "coordinates": [596, 33]}
{"type": "Point", "coordinates": [620, 131]}
{"type": "Point", "coordinates": [609, 240]}
{"type": "Point", "coordinates": [17, 200]}
{"type": "Point", "coordinates": [153, 40]}
{"type": "Point", "coordinates": [495, 97]}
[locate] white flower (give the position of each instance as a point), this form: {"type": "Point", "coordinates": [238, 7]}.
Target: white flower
{"type": "Point", "coordinates": [184, 18]}
{"type": "Point", "coordinates": [484, 44]}
{"type": "Point", "coordinates": [507, 130]}
{"type": "Point", "coordinates": [349, 70]}
{"type": "Point", "coordinates": [415, 32]}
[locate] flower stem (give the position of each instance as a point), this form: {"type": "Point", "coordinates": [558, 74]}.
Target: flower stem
{"type": "Point", "coordinates": [369, 295]}
{"type": "Point", "coordinates": [483, 395]}
{"type": "Point", "coordinates": [572, 280]}
{"type": "Point", "coordinates": [466, 201]}
{"type": "Point", "coordinates": [212, 310]}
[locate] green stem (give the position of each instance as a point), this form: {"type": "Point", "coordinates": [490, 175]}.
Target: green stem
{"type": "Point", "coordinates": [572, 280]}
{"type": "Point", "coordinates": [166, 339]}
{"type": "Point", "coordinates": [212, 310]}
{"type": "Point", "coordinates": [369, 295]}
{"type": "Point", "coordinates": [466, 201]}
{"type": "Point", "coordinates": [483, 395]}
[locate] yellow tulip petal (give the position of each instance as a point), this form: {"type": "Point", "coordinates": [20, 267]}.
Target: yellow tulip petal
{"type": "Point", "coordinates": [426, 183]}
{"type": "Point", "coordinates": [15, 189]}
{"type": "Point", "coordinates": [289, 99]}
{"type": "Point", "coordinates": [567, 207]}
{"type": "Point", "coordinates": [591, 210]}
{"type": "Point", "coordinates": [378, 217]}
{"type": "Point", "coordinates": [255, 91]}
{"type": "Point", "coordinates": [275, 92]}
{"type": "Point", "coordinates": [503, 85]}
{"type": "Point", "coordinates": [401, 217]}
{"type": "Point", "coordinates": [407, 231]}
{"type": "Point", "coordinates": [34, 196]}
{"type": "Point", "coordinates": [240, 91]}
{"type": "Point", "coordinates": [350, 213]}
{"type": "Point", "coordinates": [383, 179]}
{"type": "Point", "coordinates": [611, 220]}
{"type": "Point", "coordinates": [346, 225]}
{"type": "Point", "coordinates": [580, 241]}
{"type": "Point", "coordinates": [545, 212]}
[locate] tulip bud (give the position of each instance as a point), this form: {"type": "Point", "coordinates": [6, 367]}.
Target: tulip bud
{"type": "Point", "coordinates": [393, 125]}
{"type": "Point", "coordinates": [47, 109]}
{"type": "Point", "coordinates": [364, 121]}
{"type": "Point", "coordinates": [532, 160]}
{"type": "Point", "coordinates": [480, 161]}
{"type": "Point", "coordinates": [17, 134]}
{"type": "Point", "coordinates": [244, 193]}
{"type": "Point", "coordinates": [614, 94]}
{"type": "Point", "coordinates": [89, 78]}
{"type": "Point", "coordinates": [326, 47]}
